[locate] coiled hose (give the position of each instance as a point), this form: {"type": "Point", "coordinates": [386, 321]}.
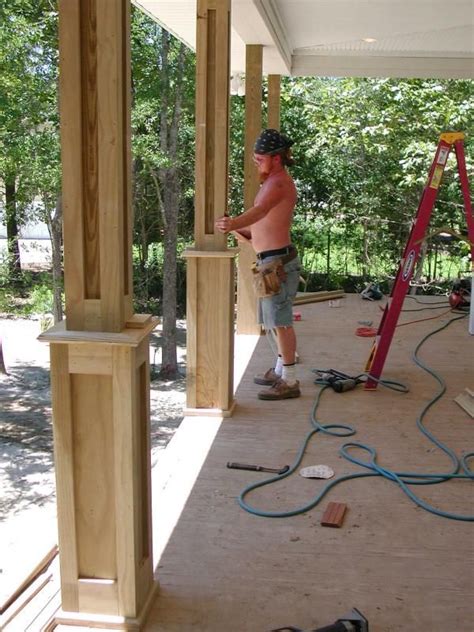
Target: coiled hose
{"type": "Point", "coordinates": [402, 479]}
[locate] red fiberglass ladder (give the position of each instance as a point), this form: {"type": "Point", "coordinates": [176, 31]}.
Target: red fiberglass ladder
{"type": "Point", "coordinates": [407, 264]}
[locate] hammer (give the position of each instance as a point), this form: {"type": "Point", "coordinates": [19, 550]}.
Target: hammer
{"type": "Point", "coordinates": [257, 468]}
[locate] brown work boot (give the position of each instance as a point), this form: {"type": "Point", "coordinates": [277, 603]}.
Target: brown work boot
{"type": "Point", "coordinates": [281, 390]}
{"type": "Point", "coordinates": [268, 378]}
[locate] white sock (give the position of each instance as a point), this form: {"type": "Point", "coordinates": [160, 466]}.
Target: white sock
{"type": "Point", "coordinates": [289, 373]}
{"type": "Point", "coordinates": [279, 365]}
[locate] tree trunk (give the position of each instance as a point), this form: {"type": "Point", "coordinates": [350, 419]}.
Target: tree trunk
{"type": "Point", "coordinates": [169, 180]}
{"type": "Point", "coordinates": [435, 264]}
{"type": "Point", "coordinates": [13, 243]}
{"type": "Point", "coordinates": [328, 258]}
{"type": "Point", "coordinates": [56, 234]}
{"type": "Point", "coordinates": [3, 368]}
{"type": "Point", "coordinates": [169, 364]}
{"type": "Point", "coordinates": [429, 258]}
{"type": "Point", "coordinates": [419, 268]}
{"type": "Point", "coordinates": [365, 252]}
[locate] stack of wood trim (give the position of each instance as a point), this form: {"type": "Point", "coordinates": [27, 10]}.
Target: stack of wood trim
{"type": "Point", "coordinates": [316, 297]}
{"type": "Point", "coordinates": [33, 605]}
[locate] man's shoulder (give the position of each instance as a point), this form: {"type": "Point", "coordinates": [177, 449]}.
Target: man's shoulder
{"type": "Point", "coordinates": [281, 179]}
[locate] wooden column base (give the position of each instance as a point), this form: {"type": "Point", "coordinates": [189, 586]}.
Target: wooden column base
{"type": "Point", "coordinates": [106, 622]}
{"type": "Point", "coordinates": [210, 332]}
{"type": "Point", "coordinates": [100, 386]}
{"type": "Point", "coordinates": [210, 412]}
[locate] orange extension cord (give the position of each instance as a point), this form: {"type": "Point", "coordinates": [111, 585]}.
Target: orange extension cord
{"type": "Point", "coordinates": [370, 332]}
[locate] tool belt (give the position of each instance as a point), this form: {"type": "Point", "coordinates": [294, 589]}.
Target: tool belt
{"type": "Point", "coordinates": [268, 277]}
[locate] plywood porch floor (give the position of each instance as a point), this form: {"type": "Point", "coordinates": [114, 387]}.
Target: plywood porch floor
{"type": "Point", "coordinates": [407, 570]}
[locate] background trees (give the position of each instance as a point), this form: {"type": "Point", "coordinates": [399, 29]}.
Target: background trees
{"type": "Point", "coordinates": [363, 148]}
{"type": "Point", "coordinates": [29, 129]}
{"type": "Point", "coordinates": [163, 168]}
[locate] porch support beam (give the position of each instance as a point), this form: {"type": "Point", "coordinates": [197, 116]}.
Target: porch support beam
{"type": "Point", "coordinates": [273, 105]}
{"type": "Point", "coordinates": [210, 265]}
{"type": "Point", "coordinates": [246, 301]}
{"type": "Point", "coordinates": [100, 357]}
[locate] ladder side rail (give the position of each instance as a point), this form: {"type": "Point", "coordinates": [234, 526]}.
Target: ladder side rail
{"type": "Point", "coordinates": [415, 232]}
{"type": "Point", "coordinates": [461, 160]}
{"type": "Point", "coordinates": [390, 319]}
{"type": "Point", "coordinates": [388, 306]}
{"type": "Point", "coordinates": [411, 238]}
{"type": "Point", "coordinates": [407, 265]}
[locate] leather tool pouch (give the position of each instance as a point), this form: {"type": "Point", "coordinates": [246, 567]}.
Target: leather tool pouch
{"type": "Point", "coordinates": [267, 278]}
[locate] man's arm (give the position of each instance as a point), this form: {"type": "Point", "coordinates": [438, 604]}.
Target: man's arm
{"type": "Point", "coordinates": [243, 234]}
{"type": "Point", "coordinates": [268, 198]}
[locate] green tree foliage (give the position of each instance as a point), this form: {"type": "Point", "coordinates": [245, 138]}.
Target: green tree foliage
{"type": "Point", "coordinates": [29, 123]}
{"type": "Point", "coordinates": [163, 149]}
{"type": "Point", "coordinates": [364, 147]}
{"type": "Point", "coordinates": [163, 143]}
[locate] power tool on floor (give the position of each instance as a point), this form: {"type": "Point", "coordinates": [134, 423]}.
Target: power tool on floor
{"type": "Point", "coordinates": [338, 381]}
{"type": "Point", "coordinates": [460, 297]}
{"type": "Point", "coordinates": [353, 622]}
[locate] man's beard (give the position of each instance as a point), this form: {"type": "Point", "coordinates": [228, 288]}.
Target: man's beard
{"type": "Point", "coordinates": [263, 176]}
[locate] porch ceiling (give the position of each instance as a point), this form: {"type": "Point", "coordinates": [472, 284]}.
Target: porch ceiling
{"type": "Point", "coordinates": [413, 38]}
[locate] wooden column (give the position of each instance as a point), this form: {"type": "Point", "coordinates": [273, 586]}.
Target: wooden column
{"type": "Point", "coordinates": [273, 102]}
{"type": "Point", "coordinates": [210, 265]}
{"type": "Point", "coordinates": [246, 301]}
{"type": "Point", "coordinates": [95, 147]}
{"type": "Point", "coordinates": [100, 358]}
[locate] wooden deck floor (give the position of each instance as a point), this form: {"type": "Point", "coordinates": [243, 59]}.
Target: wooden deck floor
{"type": "Point", "coordinates": [407, 570]}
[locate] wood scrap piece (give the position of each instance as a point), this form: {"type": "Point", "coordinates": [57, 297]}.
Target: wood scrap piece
{"type": "Point", "coordinates": [138, 321]}
{"type": "Point", "coordinates": [334, 515]}
{"type": "Point", "coordinates": [30, 592]}
{"type": "Point", "coordinates": [319, 299]}
{"type": "Point", "coordinates": [315, 297]}
{"type": "Point", "coordinates": [466, 401]}
{"type": "Point", "coordinates": [38, 570]}
{"type": "Point", "coordinates": [319, 293]}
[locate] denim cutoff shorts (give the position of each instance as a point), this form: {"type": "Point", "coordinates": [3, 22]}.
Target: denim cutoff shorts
{"type": "Point", "coordinates": [277, 310]}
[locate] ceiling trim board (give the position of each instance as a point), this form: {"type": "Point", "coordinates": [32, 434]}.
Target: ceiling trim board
{"type": "Point", "coordinates": [271, 17]}
{"type": "Point", "coordinates": [394, 67]}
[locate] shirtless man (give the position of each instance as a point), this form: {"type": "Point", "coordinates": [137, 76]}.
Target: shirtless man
{"type": "Point", "coordinates": [266, 225]}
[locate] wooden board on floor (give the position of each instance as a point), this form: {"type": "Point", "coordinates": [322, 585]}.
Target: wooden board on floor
{"type": "Point", "coordinates": [466, 401]}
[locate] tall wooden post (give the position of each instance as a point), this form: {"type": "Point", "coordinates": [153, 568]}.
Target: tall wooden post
{"type": "Point", "coordinates": [100, 359]}
{"type": "Point", "coordinates": [273, 105]}
{"type": "Point", "coordinates": [210, 265]}
{"type": "Point", "coordinates": [246, 301]}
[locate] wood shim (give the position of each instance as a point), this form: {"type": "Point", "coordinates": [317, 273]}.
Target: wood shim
{"type": "Point", "coordinates": [138, 321]}
{"type": "Point", "coordinates": [334, 515]}
{"type": "Point", "coordinates": [466, 401]}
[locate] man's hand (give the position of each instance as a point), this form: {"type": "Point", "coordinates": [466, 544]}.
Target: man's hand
{"type": "Point", "coordinates": [224, 224]}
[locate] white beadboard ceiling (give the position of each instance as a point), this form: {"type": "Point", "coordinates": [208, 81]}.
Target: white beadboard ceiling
{"type": "Point", "coordinates": [413, 38]}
